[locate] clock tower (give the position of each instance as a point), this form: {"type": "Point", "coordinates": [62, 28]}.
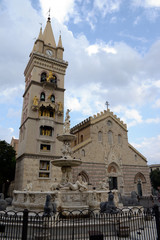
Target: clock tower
{"type": "Point", "coordinates": [42, 114]}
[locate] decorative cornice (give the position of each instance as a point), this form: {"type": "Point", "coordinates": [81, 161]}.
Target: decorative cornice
{"type": "Point", "coordinates": [44, 84]}
{"type": "Point", "coordinates": [36, 156]}
{"type": "Point", "coordinates": [39, 119]}
{"type": "Point", "coordinates": [40, 59]}
{"type": "Point", "coordinates": [138, 166]}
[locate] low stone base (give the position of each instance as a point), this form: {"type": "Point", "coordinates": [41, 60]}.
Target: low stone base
{"type": "Point", "coordinates": [64, 199]}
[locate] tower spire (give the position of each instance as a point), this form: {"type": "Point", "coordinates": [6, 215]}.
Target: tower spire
{"type": "Point", "coordinates": [60, 41]}
{"type": "Point", "coordinates": [40, 37]}
{"type": "Point", "coordinates": [48, 36]}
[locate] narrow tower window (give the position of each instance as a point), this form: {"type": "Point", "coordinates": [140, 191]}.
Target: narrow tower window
{"type": "Point", "coordinates": [119, 139]}
{"type": "Point", "coordinates": [110, 137]}
{"type": "Point", "coordinates": [52, 98]}
{"type": "Point", "coordinates": [42, 98]}
{"type": "Point", "coordinates": [99, 136]}
{"type": "Point", "coordinates": [83, 152]}
{"type": "Point", "coordinates": [43, 77]}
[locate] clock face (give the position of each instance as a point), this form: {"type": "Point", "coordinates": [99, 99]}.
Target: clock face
{"type": "Point", "coordinates": [49, 52]}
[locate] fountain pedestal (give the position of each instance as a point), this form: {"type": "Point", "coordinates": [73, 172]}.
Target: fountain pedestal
{"type": "Point", "coordinates": [66, 162]}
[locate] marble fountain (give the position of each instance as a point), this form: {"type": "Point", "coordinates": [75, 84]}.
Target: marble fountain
{"type": "Point", "coordinates": [66, 194]}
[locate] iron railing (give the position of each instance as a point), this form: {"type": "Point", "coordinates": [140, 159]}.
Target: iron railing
{"type": "Point", "coordinates": [128, 223]}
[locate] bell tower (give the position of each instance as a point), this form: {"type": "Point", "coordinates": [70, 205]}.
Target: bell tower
{"type": "Point", "coordinates": [42, 113]}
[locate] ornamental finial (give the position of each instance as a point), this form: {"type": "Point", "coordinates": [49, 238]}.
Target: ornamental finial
{"type": "Point", "coordinates": [49, 14]}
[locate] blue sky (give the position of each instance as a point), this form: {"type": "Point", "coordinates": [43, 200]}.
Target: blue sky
{"type": "Point", "coordinates": [113, 50]}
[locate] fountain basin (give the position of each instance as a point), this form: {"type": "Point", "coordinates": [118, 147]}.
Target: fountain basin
{"type": "Point", "coordinates": [65, 162]}
{"type": "Point", "coordinates": [66, 137]}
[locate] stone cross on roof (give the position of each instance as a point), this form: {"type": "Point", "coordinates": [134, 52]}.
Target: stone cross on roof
{"type": "Point", "coordinates": [107, 104]}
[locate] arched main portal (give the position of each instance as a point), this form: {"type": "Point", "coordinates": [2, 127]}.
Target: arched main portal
{"type": "Point", "coordinates": [114, 176]}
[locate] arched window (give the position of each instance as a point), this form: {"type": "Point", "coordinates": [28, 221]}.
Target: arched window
{"type": "Point", "coordinates": [81, 138]}
{"type": "Point", "coordinates": [135, 157]}
{"type": "Point", "coordinates": [83, 152]}
{"type": "Point", "coordinates": [52, 98]}
{"type": "Point", "coordinates": [139, 187]}
{"type": "Point", "coordinates": [119, 139]}
{"type": "Point", "coordinates": [99, 136]}
{"type": "Point", "coordinates": [43, 77]}
{"type": "Point", "coordinates": [110, 137]}
{"type": "Point", "coordinates": [42, 97]}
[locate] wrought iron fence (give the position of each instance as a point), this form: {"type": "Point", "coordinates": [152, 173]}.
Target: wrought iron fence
{"type": "Point", "coordinates": [128, 223]}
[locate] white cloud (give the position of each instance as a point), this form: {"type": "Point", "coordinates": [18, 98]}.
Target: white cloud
{"type": "Point", "coordinates": [96, 48]}
{"type": "Point", "coordinates": [157, 104]}
{"type": "Point", "coordinates": [100, 9]}
{"type": "Point", "coordinates": [153, 120]}
{"type": "Point", "coordinates": [62, 10]}
{"type": "Point", "coordinates": [85, 99]}
{"type": "Point", "coordinates": [133, 114]}
{"type": "Point", "coordinates": [11, 130]}
{"type": "Point", "coordinates": [146, 3]}
{"type": "Point", "coordinates": [108, 49]}
{"type": "Point", "coordinates": [157, 83]}
{"type": "Point", "coordinates": [152, 3]}
{"type": "Point", "coordinates": [9, 95]}
{"type": "Point", "coordinates": [6, 134]}
{"type": "Point", "coordinates": [92, 49]}
{"type": "Point", "coordinates": [107, 6]}
{"type": "Point", "coordinates": [151, 8]}
{"type": "Point", "coordinates": [150, 148]}
{"type": "Point", "coordinates": [130, 116]}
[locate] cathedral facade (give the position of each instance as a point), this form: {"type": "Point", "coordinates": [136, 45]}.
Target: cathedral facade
{"type": "Point", "coordinates": [102, 144]}
{"type": "Point", "coordinates": [102, 141]}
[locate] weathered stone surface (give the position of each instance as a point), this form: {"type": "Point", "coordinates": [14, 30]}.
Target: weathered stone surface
{"type": "Point", "coordinates": [3, 205]}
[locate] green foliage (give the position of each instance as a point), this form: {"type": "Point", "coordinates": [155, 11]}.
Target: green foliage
{"type": "Point", "coordinates": [155, 178]}
{"type": "Point", "coordinates": [7, 162]}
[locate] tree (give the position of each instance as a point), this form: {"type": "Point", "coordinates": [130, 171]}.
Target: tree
{"type": "Point", "coordinates": [155, 178]}
{"type": "Point", "coordinates": [7, 164]}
